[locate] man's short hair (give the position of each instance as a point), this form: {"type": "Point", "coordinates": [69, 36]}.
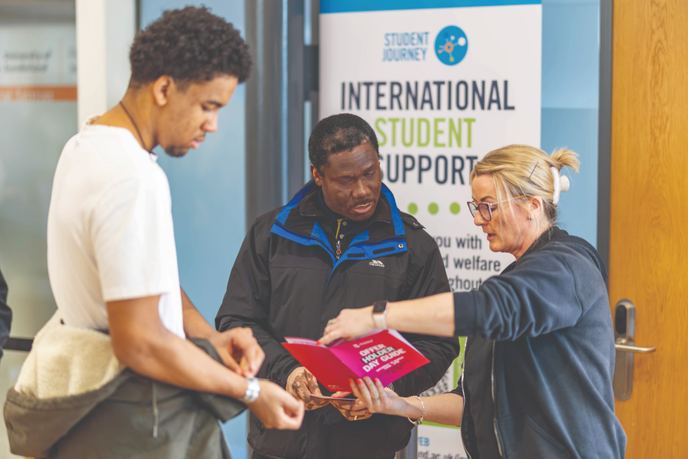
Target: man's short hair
{"type": "Point", "coordinates": [338, 133]}
{"type": "Point", "coordinates": [190, 45]}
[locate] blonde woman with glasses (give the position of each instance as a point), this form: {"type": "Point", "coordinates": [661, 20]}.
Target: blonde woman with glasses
{"type": "Point", "coordinates": [537, 376]}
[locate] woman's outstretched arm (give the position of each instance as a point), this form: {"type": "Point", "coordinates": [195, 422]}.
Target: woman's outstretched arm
{"type": "Point", "coordinates": [432, 315]}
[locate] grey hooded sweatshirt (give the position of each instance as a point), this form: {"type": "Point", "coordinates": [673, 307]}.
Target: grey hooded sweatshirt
{"type": "Point", "coordinates": [74, 399]}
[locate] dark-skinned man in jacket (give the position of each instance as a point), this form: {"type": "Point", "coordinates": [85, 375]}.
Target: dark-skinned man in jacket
{"type": "Point", "coordinates": [341, 242]}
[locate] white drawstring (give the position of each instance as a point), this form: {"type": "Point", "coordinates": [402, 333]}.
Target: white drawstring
{"type": "Point", "coordinates": [156, 414]}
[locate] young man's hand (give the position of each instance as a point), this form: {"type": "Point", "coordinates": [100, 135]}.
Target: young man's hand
{"type": "Point", "coordinates": [276, 408]}
{"type": "Point", "coordinates": [301, 384]}
{"type": "Point", "coordinates": [239, 350]}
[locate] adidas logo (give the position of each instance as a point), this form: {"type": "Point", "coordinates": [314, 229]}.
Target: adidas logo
{"type": "Point", "coordinates": [377, 263]}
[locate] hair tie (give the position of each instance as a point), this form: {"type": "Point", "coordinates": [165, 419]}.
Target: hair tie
{"type": "Point", "coordinates": [561, 184]}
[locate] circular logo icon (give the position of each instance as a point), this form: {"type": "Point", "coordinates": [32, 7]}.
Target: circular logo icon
{"type": "Point", "coordinates": [451, 45]}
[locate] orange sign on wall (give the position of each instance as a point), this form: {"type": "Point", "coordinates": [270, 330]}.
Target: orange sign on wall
{"type": "Point", "coordinates": [38, 63]}
{"type": "Point", "coordinates": [38, 93]}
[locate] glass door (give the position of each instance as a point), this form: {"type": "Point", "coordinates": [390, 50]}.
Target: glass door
{"type": "Point", "coordinates": [38, 114]}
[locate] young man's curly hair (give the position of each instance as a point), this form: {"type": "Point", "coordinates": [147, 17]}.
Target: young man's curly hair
{"type": "Point", "coordinates": [190, 45]}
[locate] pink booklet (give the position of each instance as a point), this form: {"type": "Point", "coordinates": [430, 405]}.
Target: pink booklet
{"type": "Point", "coordinates": [382, 354]}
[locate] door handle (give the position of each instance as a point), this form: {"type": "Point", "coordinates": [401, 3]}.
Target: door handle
{"type": "Point", "coordinates": [634, 349]}
{"type": "Point", "coordinates": [624, 342]}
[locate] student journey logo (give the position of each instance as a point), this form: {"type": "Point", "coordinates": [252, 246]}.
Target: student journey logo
{"type": "Point", "coordinates": [451, 45]}
{"type": "Point", "coordinates": [405, 46]}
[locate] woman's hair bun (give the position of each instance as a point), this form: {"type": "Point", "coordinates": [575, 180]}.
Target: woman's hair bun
{"type": "Point", "coordinates": [565, 157]}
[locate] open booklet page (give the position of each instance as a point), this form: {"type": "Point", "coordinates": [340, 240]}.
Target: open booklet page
{"type": "Point", "coordinates": [382, 354]}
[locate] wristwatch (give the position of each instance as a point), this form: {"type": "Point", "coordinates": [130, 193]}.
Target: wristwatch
{"type": "Point", "coordinates": [380, 314]}
{"type": "Point", "coordinates": [252, 391]}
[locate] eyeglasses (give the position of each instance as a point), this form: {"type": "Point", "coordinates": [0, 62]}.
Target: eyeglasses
{"type": "Point", "coordinates": [486, 208]}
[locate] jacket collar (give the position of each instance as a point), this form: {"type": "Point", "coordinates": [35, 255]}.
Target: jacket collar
{"type": "Point", "coordinates": [301, 213]}
{"type": "Point", "coordinates": [547, 236]}
{"type": "Point", "coordinates": [381, 237]}
{"type": "Point", "coordinates": [556, 234]}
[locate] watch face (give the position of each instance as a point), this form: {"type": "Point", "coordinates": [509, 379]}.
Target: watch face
{"type": "Point", "coordinates": [379, 307]}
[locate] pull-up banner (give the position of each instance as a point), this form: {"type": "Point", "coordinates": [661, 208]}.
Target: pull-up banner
{"type": "Point", "coordinates": [442, 82]}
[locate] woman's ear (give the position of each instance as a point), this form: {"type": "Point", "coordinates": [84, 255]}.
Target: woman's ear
{"type": "Point", "coordinates": [536, 206]}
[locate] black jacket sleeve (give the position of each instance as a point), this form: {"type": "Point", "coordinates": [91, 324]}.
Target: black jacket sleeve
{"type": "Point", "coordinates": [430, 278]}
{"type": "Point", "coordinates": [5, 313]}
{"type": "Point", "coordinates": [247, 303]}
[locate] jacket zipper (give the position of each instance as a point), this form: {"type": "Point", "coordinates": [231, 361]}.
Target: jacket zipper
{"type": "Point", "coordinates": [463, 388]}
{"type": "Point", "coordinates": [494, 405]}
{"type": "Point", "coordinates": [338, 250]}
{"type": "Point", "coordinates": [337, 254]}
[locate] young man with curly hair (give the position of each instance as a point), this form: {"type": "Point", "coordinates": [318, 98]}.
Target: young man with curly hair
{"type": "Point", "coordinates": [128, 367]}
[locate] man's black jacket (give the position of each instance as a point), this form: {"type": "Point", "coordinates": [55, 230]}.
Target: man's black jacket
{"type": "Point", "coordinates": [5, 313]}
{"type": "Point", "coordinates": [287, 281]}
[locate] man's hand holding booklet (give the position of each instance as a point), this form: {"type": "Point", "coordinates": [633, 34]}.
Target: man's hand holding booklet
{"type": "Point", "coordinates": [382, 354]}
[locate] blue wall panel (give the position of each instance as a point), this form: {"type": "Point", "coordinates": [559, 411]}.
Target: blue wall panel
{"type": "Point", "coordinates": [570, 99]}
{"type": "Point", "coordinates": [576, 129]}
{"type": "Point", "coordinates": [208, 204]}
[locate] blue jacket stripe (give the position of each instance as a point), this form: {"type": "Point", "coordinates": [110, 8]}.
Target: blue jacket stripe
{"type": "Point", "coordinates": [282, 216]}
{"type": "Point", "coordinates": [318, 232]}
{"type": "Point", "coordinates": [396, 218]}
{"type": "Point", "coordinates": [365, 251]}
{"type": "Point", "coordinates": [358, 249]}
{"type": "Point", "coordinates": [363, 237]}
{"type": "Point", "coordinates": [303, 240]}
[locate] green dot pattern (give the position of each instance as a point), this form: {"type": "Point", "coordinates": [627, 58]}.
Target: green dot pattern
{"type": "Point", "coordinates": [433, 208]}
{"type": "Point", "coordinates": [413, 208]}
{"type": "Point", "coordinates": [455, 208]}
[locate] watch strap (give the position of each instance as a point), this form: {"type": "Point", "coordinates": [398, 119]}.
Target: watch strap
{"type": "Point", "coordinates": [380, 314]}
{"type": "Point", "coordinates": [252, 391]}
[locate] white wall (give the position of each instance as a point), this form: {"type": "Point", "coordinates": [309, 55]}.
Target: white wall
{"type": "Point", "coordinates": [104, 32]}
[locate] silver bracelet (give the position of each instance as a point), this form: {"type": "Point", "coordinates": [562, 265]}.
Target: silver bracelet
{"type": "Point", "coordinates": [252, 391]}
{"type": "Point", "coordinates": [418, 421]}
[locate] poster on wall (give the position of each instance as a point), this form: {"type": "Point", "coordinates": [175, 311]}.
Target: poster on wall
{"type": "Point", "coordinates": [38, 62]}
{"type": "Point", "coordinates": [442, 82]}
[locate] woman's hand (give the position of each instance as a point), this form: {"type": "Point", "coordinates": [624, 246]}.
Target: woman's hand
{"type": "Point", "coordinates": [352, 410]}
{"type": "Point", "coordinates": [379, 399]}
{"type": "Point", "coordinates": [349, 324]}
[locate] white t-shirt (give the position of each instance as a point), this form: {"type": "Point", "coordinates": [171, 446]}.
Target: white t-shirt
{"type": "Point", "coordinates": [110, 231]}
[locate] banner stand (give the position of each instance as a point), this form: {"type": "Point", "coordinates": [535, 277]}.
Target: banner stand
{"type": "Point", "coordinates": [442, 85]}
